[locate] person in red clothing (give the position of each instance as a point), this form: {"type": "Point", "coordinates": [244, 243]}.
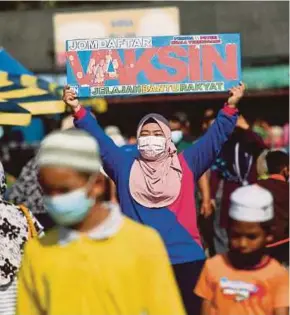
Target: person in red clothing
{"type": "Point", "coordinates": [180, 133]}
{"type": "Point", "coordinates": [277, 183]}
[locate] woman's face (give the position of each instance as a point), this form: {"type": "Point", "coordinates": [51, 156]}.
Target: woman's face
{"type": "Point", "coordinates": [151, 141]}
{"type": "Point", "coordinates": [151, 129]}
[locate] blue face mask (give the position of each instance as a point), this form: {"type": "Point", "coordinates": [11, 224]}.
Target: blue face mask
{"type": "Point", "coordinates": [70, 208]}
{"type": "Point", "coordinates": [176, 136]}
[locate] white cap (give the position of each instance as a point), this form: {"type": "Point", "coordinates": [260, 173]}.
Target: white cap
{"type": "Point", "coordinates": [115, 134]}
{"type": "Point", "coordinates": [251, 204]}
{"type": "Point", "coordinates": [71, 148]}
{"type": "Point", "coordinates": [112, 130]}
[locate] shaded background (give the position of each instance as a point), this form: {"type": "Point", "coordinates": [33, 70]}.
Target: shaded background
{"type": "Point", "coordinates": [26, 32]}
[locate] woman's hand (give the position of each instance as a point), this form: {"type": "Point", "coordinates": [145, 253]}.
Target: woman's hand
{"type": "Point", "coordinates": [70, 99]}
{"type": "Point", "coordinates": [236, 93]}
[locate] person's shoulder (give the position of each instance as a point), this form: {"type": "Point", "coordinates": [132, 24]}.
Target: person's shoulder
{"type": "Point", "coordinates": [184, 144]}
{"type": "Point", "coordinates": [49, 240]}
{"type": "Point", "coordinates": [8, 205]}
{"type": "Point", "coordinates": [272, 180]}
{"type": "Point", "coordinates": [138, 227]}
{"type": "Point", "coordinates": [215, 268]}
{"type": "Point", "coordinates": [264, 182]}
{"type": "Point", "coordinates": [141, 233]}
{"type": "Point", "coordinates": [275, 269]}
{"type": "Point", "coordinates": [215, 261]}
{"type": "Point", "coordinates": [10, 211]}
{"type": "Point", "coordinates": [144, 243]}
{"type": "Point", "coordinates": [273, 184]}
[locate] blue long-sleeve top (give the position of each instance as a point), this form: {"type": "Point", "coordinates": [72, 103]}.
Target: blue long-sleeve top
{"type": "Point", "coordinates": [177, 223]}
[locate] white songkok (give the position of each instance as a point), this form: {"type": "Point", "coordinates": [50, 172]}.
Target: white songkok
{"type": "Point", "coordinates": [251, 204]}
{"type": "Point", "coordinates": [71, 148]}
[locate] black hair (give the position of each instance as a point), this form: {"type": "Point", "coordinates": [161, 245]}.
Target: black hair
{"type": "Point", "coordinates": [179, 117]}
{"type": "Point", "coordinates": [149, 121]}
{"type": "Point", "coordinates": [276, 161]}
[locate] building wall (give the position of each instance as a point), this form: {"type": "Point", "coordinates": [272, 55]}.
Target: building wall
{"type": "Point", "coordinates": [264, 27]}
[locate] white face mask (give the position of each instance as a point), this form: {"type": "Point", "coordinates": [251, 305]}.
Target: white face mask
{"type": "Point", "coordinates": [176, 136]}
{"type": "Point", "coordinates": [151, 147]}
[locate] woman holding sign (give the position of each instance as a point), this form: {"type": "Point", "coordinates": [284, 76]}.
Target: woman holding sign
{"type": "Point", "coordinates": [155, 187]}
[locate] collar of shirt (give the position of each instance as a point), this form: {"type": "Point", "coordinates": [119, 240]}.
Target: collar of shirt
{"type": "Point", "coordinates": [108, 228]}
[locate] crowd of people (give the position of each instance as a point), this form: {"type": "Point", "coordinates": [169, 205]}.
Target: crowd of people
{"type": "Point", "coordinates": [163, 224]}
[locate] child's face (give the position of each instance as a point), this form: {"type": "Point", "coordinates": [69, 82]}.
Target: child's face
{"type": "Point", "coordinates": [247, 237]}
{"type": "Point", "coordinates": [247, 244]}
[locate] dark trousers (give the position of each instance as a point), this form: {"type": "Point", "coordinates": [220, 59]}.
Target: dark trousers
{"type": "Point", "coordinates": [206, 228]}
{"type": "Point", "coordinates": [187, 275]}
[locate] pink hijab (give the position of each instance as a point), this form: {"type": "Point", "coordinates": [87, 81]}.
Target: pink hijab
{"type": "Point", "coordinates": [156, 184]}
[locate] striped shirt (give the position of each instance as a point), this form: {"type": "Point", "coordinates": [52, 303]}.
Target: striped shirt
{"type": "Point", "coordinates": [8, 298]}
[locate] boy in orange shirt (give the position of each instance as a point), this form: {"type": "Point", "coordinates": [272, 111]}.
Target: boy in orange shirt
{"type": "Point", "coordinates": [246, 281]}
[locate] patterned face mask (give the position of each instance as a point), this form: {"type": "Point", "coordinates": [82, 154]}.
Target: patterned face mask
{"type": "Point", "coordinates": [151, 147]}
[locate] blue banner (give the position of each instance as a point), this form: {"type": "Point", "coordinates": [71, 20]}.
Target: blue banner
{"type": "Point", "coordinates": [153, 65]}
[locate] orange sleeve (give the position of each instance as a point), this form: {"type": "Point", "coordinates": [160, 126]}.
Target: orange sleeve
{"type": "Point", "coordinates": [204, 287]}
{"type": "Point", "coordinates": [281, 291]}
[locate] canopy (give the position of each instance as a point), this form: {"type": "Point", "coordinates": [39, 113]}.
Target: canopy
{"type": "Point", "coordinates": [22, 94]}
{"type": "Point", "coordinates": [27, 92]}
{"type": "Point", "coordinates": [13, 114]}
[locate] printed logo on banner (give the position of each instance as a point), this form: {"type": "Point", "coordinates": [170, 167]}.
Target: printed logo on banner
{"type": "Point", "coordinates": [154, 65]}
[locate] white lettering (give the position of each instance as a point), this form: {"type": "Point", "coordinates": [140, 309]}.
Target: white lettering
{"type": "Point", "coordinates": [109, 43]}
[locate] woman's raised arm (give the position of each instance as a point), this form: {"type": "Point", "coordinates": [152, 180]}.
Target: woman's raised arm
{"type": "Point", "coordinates": [201, 155]}
{"type": "Point", "coordinates": [112, 156]}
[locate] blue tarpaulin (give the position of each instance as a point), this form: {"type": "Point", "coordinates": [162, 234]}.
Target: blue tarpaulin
{"type": "Point", "coordinates": [23, 90]}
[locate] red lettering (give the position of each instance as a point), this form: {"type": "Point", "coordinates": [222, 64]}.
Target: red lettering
{"type": "Point", "coordinates": [144, 64]}
{"type": "Point", "coordinates": [87, 76]}
{"type": "Point", "coordinates": [127, 74]}
{"type": "Point", "coordinates": [122, 74]}
{"type": "Point", "coordinates": [74, 61]}
{"type": "Point", "coordinates": [172, 62]}
{"type": "Point", "coordinates": [129, 68]}
{"type": "Point", "coordinates": [194, 63]}
{"type": "Point", "coordinates": [227, 66]}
